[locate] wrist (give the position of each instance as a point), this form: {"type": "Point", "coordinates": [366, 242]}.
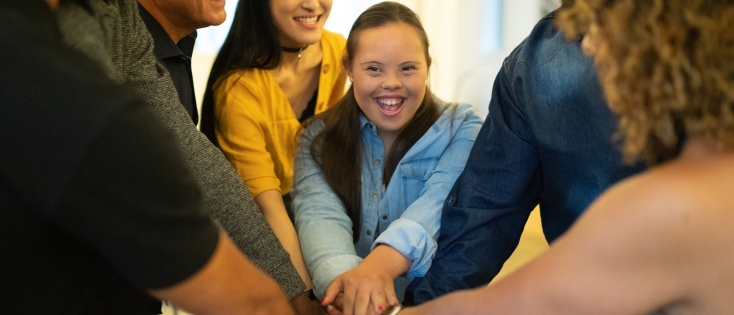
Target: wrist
{"type": "Point", "coordinates": [388, 259]}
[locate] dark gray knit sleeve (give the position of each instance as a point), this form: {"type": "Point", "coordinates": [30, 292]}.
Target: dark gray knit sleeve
{"type": "Point", "coordinates": [225, 194]}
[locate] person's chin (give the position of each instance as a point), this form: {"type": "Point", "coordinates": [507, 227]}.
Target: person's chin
{"type": "Point", "coordinates": [312, 36]}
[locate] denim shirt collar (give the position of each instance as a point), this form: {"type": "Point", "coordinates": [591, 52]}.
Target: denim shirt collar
{"type": "Point", "coordinates": [366, 123]}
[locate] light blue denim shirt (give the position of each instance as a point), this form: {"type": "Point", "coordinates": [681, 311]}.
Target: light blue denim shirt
{"type": "Point", "coordinates": [406, 215]}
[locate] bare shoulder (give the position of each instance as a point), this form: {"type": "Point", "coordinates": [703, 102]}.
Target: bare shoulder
{"type": "Point", "coordinates": [686, 193]}
{"type": "Point", "coordinates": [661, 239]}
{"type": "Point", "coordinates": [657, 238]}
{"type": "Point", "coordinates": [674, 213]}
{"type": "Point", "coordinates": [679, 219]}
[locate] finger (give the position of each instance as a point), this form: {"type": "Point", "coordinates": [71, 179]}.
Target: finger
{"type": "Point", "coordinates": [392, 298]}
{"type": "Point", "coordinates": [372, 310]}
{"type": "Point", "coordinates": [362, 302]}
{"type": "Point", "coordinates": [339, 302]}
{"type": "Point", "coordinates": [348, 300]}
{"type": "Point", "coordinates": [334, 288]}
{"type": "Point", "coordinates": [379, 302]}
{"type": "Point", "coordinates": [331, 310]}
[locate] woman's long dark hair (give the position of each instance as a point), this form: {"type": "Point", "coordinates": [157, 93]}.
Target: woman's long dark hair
{"type": "Point", "coordinates": [338, 147]}
{"type": "Point", "coordinates": [252, 42]}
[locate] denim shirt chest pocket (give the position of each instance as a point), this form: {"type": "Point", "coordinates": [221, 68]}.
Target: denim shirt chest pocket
{"type": "Point", "coordinates": [415, 173]}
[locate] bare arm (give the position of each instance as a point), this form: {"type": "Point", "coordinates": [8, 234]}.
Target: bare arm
{"type": "Point", "coordinates": [273, 209]}
{"type": "Point", "coordinates": [619, 258]}
{"type": "Point", "coordinates": [227, 284]}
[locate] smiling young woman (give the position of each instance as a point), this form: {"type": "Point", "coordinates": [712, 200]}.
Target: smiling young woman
{"type": "Point", "coordinates": [277, 67]}
{"type": "Point", "coordinates": [371, 174]}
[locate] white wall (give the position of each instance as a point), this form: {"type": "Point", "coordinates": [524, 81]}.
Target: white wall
{"type": "Point", "coordinates": [469, 40]}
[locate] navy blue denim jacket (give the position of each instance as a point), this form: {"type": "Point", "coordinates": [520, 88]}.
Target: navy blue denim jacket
{"type": "Point", "coordinates": [547, 140]}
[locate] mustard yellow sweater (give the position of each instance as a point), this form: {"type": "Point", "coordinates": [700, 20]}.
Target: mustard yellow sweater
{"type": "Point", "coordinates": [255, 124]}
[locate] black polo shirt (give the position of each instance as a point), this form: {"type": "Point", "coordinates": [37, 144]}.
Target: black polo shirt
{"type": "Point", "coordinates": [176, 58]}
{"type": "Point", "coordinates": [95, 199]}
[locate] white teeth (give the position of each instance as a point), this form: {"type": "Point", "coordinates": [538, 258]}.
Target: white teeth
{"type": "Point", "coordinates": [309, 20]}
{"type": "Point", "coordinates": [390, 105]}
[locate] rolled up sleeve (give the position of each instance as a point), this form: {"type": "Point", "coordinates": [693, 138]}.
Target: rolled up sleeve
{"type": "Point", "coordinates": [414, 234]}
{"type": "Point", "coordinates": [324, 228]}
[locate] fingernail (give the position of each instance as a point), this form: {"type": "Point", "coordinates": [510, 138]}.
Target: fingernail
{"type": "Point", "coordinates": [380, 309]}
{"type": "Point", "coordinates": [322, 300]}
{"type": "Point", "coordinates": [329, 307]}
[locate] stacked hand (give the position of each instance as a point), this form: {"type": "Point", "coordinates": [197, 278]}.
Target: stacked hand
{"type": "Point", "coordinates": [367, 289]}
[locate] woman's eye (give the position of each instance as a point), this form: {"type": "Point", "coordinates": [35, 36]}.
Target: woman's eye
{"type": "Point", "coordinates": [408, 68]}
{"type": "Point", "coordinates": [372, 69]}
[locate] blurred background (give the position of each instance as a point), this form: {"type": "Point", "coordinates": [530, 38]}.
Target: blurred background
{"type": "Point", "coordinates": [469, 40]}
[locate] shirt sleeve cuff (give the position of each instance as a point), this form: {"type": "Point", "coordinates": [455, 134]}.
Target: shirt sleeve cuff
{"type": "Point", "coordinates": [261, 184]}
{"type": "Point", "coordinates": [413, 241]}
{"type": "Point", "coordinates": [330, 269]}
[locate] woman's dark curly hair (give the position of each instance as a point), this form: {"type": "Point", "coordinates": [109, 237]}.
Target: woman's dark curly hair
{"type": "Point", "coordinates": [667, 68]}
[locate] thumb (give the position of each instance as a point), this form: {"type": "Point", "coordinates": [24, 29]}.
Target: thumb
{"type": "Point", "coordinates": [332, 291]}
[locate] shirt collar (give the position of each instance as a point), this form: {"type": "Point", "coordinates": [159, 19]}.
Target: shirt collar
{"type": "Point", "coordinates": [365, 123]}
{"type": "Point", "coordinates": [164, 47]}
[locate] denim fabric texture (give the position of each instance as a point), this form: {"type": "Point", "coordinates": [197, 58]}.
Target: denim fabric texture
{"type": "Point", "coordinates": [405, 214]}
{"type": "Point", "coordinates": [547, 140]}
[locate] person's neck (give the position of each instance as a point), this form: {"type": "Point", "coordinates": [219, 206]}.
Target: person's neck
{"type": "Point", "coordinates": [388, 138]}
{"type": "Point", "coordinates": [310, 57]}
{"type": "Point", "coordinates": [290, 60]}
{"type": "Point", "coordinates": [176, 32]}
{"type": "Point", "coordinates": [698, 147]}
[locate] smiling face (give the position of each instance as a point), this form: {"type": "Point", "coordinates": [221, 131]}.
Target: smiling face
{"type": "Point", "coordinates": [299, 22]}
{"type": "Point", "coordinates": [390, 73]}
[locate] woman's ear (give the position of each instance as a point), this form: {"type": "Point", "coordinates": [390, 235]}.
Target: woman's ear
{"type": "Point", "coordinates": [347, 66]}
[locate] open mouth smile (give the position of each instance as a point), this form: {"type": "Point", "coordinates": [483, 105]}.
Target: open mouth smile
{"type": "Point", "coordinates": [390, 106]}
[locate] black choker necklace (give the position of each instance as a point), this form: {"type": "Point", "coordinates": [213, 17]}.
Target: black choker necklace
{"type": "Point", "coordinates": [294, 50]}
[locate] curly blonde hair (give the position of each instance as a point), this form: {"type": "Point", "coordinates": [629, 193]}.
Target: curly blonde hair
{"type": "Point", "coordinates": [667, 68]}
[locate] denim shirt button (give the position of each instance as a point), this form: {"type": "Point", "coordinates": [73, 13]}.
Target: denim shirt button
{"type": "Point", "coordinates": [377, 161]}
{"type": "Point", "coordinates": [374, 196]}
{"type": "Point", "coordinates": [384, 217]}
{"type": "Point", "coordinates": [369, 232]}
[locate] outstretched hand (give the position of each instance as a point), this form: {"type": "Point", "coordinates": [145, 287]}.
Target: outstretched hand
{"type": "Point", "coordinates": [335, 308]}
{"type": "Point", "coordinates": [367, 289]}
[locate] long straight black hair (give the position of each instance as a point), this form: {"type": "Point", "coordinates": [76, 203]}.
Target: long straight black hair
{"type": "Point", "coordinates": [338, 147]}
{"type": "Point", "coordinates": [252, 42]}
